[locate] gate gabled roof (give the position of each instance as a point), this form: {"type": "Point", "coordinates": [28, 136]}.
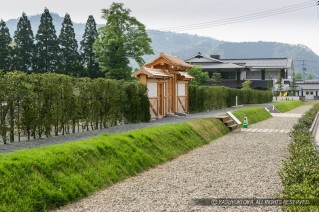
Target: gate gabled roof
{"type": "Point", "coordinates": [168, 62]}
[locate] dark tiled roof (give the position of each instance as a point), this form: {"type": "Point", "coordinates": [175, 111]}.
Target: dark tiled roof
{"type": "Point", "coordinates": [208, 62]}
{"type": "Point", "coordinates": [263, 62]}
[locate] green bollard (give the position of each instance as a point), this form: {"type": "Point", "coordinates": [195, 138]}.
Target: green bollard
{"type": "Point", "coordinates": [245, 124]}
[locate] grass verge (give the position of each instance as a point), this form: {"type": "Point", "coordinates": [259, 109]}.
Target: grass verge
{"type": "Point", "coordinates": [45, 178]}
{"type": "Point", "coordinates": [254, 114]}
{"type": "Point", "coordinates": [288, 105]}
{"type": "Point", "coordinates": [300, 172]}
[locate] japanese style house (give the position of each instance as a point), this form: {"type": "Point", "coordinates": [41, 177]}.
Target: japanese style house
{"type": "Point", "coordinates": [263, 72]}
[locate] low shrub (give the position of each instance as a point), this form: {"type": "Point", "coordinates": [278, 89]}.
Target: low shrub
{"type": "Point", "coordinates": [300, 172]}
{"type": "Point", "coordinates": [254, 114]}
{"type": "Point", "coordinates": [288, 105]}
{"type": "Point", "coordinates": [45, 178]}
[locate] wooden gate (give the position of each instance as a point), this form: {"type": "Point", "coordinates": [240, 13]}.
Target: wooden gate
{"type": "Point", "coordinates": [182, 97]}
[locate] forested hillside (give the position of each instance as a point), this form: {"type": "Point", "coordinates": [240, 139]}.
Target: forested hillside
{"type": "Point", "coordinates": [186, 45]}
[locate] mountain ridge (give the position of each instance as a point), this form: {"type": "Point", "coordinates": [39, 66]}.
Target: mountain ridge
{"type": "Point", "coordinates": [186, 45]}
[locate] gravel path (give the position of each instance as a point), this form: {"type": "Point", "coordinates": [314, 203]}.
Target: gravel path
{"type": "Point", "coordinates": [238, 165]}
{"type": "Point", "coordinates": [116, 129]}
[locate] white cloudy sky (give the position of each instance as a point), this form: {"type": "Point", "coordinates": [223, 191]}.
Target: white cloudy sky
{"type": "Point", "coordinates": [297, 27]}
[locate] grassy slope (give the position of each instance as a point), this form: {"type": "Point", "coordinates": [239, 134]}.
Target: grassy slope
{"type": "Point", "coordinates": [288, 105]}
{"type": "Point", "coordinates": [44, 178]}
{"type": "Point", "coordinates": [254, 114]}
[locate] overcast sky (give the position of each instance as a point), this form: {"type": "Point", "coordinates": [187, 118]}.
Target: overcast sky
{"type": "Point", "coordinates": [297, 27]}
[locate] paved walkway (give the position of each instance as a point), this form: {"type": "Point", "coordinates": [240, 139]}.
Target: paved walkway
{"type": "Point", "coordinates": [286, 115]}
{"type": "Point", "coordinates": [239, 165]}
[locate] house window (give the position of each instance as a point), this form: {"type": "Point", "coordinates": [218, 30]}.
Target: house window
{"type": "Point", "coordinates": [307, 93]}
{"type": "Point", "coordinates": [228, 75]}
{"type": "Point", "coordinates": [311, 93]}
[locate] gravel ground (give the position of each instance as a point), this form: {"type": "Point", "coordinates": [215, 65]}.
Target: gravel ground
{"type": "Point", "coordinates": [116, 129]}
{"type": "Point", "coordinates": [238, 165]}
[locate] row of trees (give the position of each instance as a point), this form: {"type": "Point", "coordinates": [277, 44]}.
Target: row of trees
{"type": "Point", "coordinates": [103, 52]}
{"type": "Point", "coordinates": [38, 105]}
{"type": "Point", "coordinates": [46, 52]}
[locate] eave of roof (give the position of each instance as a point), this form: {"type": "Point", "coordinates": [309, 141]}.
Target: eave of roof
{"type": "Point", "coordinates": [263, 62]}
{"type": "Point", "coordinates": [221, 65]}
{"type": "Point", "coordinates": [150, 72]}
{"type": "Point", "coordinates": [186, 75]}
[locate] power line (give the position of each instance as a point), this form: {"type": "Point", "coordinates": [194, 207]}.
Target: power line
{"type": "Point", "coordinates": [308, 61]}
{"type": "Point", "coordinates": [249, 17]}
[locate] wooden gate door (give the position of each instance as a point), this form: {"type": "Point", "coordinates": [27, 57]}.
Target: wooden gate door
{"type": "Point", "coordinates": [160, 95]}
{"type": "Point", "coordinates": [182, 97]}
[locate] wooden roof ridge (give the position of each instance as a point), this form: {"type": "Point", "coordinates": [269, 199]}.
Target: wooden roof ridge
{"type": "Point", "coordinates": [173, 60]}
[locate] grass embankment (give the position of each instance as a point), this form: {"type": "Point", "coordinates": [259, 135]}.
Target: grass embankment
{"type": "Point", "coordinates": [48, 177]}
{"type": "Point", "coordinates": [254, 114]}
{"type": "Point", "coordinates": [300, 172]}
{"type": "Point", "coordinates": [288, 105]}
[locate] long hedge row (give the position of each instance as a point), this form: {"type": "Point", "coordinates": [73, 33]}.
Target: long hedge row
{"type": "Point", "coordinates": [300, 172]}
{"type": "Point", "coordinates": [44, 178]}
{"type": "Point", "coordinates": [48, 104]}
{"type": "Point", "coordinates": [202, 98]}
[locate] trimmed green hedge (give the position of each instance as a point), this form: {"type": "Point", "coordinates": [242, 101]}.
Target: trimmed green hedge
{"type": "Point", "coordinates": [202, 98]}
{"type": "Point", "coordinates": [38, 105]}
{"type": "Point", "coordinates": [300, 172]}
{"type": "Point", "coordinates": [254, 114]}
{"type": "Point", "coordinates": [45, 178]}
{"type": "Point", "coordinates": [288, 105]}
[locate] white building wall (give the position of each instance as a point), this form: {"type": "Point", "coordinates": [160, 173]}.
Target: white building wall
{"type": "Point", "coordinates": [152, 89]}
{"type": "Point", "coordinates": [309, 91]}
{"type": "Point", "coordinates": [309, 94]}
{"type": "Point", "coordinates": [243, 75]}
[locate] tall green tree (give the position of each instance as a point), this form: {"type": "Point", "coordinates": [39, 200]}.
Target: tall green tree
{"type": "Point", "coordinates": [309, 76]}
{"type": "Point", "coordinates": [298, 76]}
{"type": "Point", "coordinates": [5, 48]}
{"type": "Point", "coordinates": [88, 57]}
{"type": "Point", "coordinates": [24, 43]}
{"type": "Point", "coordinates": [46, 45]}
{"type": "Point", "coordinates": [69, 61]}
{"type": "Point", "coordinates": [247, 84]}
{"type": "Point", "coordinates": [121, 39]}
{"type": "Point", "coordinates": [280, 85]}
{"type": "Point", "coordinates": [200, 76]}
{"type": "Point", "coordinates": [293, 85]}
{"type": "Point", "coordinates": [217, 78]}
